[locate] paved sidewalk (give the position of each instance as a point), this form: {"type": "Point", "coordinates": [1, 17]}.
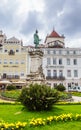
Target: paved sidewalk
{"type": "Point", "coordinates": [76, 99]}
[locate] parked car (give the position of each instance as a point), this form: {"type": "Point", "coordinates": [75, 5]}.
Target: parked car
{"type": "Point", "coordinates": [76, 88]}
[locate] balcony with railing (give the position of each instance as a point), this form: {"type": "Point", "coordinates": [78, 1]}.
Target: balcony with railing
{"type": "Point", "coordinates": [10, 77]}
{"type": "Point", "coordinates": [13, 76]}
{"type": "Point", "coordinates": [55, 77]}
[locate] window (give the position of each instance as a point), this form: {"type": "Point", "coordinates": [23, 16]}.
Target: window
{"type": "Point", "coordinates": [74, 52]}
{"type": "Point", "coordinates": [22, 74]}
{"type": "Point", "coordinates": [48, 51]}
{"type": "Point", "coordinates": [68, 61]}
{"type": "Point", "coordinates": [16, 62]}
{"type": "Point", "coordinates": [60, 61]}
{"type": "Point", "coordinates": [68, 73]}
{"type": "Point", "coordinates": [60, 73]}
{"type": "Point", "coordinates": [11, 61]}
{"type": "Point", "coordinates": [16, 75]}
{"type": "Point", "coordinates": [75, 73]}
{"type": "Point", "coordinates": [22, 61]}
{"type": "Point", "coordinates": [48, 61]}
{"type": "Point", "coordinates": [75, 61]}
{"type": "Point", "coordinates": [60, 52]}
{"type": "Point", "coordinates": [49, 73]}
{"type": "Point", "coordinates": [56, 43]}
{"type": "Point", "coordinates": [76, 84]}
{"type": "Point", "coordinates": [5, 61]}
{"type": "Point", "coordinates": [54, 73]}
{"type": "Point", "coordinates": [4, 75]}
{"type": "Point", "coordinates": [0, 61]}
{"type": "Point", "coordinates": [69, 85]}
{"type": "Point", "coordinates": [54, 61]}
{"type": "Point", "coordinates": [54, 52]}
{"type": "Point", "coordinates": [68, 52]}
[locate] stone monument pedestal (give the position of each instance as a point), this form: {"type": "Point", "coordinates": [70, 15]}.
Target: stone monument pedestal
{"type": "Point", "coordinates": [36, 72]}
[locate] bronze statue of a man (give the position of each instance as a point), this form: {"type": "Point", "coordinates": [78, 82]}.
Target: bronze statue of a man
{"type": "Point", "coordinates": [36, 39]}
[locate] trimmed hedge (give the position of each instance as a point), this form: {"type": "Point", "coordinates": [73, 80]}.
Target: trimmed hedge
{"type": "Point", "coordinates": [11, 87]}
{"type": "Point", "coordinates": [60, 87]}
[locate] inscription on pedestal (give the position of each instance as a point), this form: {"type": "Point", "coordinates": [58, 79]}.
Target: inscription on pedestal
{"type": "Point", "coordinates": [36, 72]}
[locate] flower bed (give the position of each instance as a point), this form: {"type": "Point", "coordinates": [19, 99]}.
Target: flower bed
{"type": "Point", "coordinates": [60, 118]}
{"type": "Point", "coordinates": [34, 122]}
{"type": "Point", "coordinates": [12, 126]}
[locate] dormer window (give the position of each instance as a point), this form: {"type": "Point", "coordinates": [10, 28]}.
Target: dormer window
{"type": "Point", "coordinates": [5, 50]}
{"type": "Point", "coordinates": [11, 52]}
{"type": "Point", "coordinates": [17, 50]}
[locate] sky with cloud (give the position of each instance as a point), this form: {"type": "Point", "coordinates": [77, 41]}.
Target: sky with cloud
{"type": "Point", "coordinates": [20, 18]}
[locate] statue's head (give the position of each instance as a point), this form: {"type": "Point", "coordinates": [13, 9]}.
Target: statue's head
{"type": "Point", "coordinates": [36, 31]}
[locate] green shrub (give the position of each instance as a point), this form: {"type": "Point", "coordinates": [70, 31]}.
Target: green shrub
{"type": "Point", "coordinates": [11, 87]}
{"type": "Point", "coordinates": [64, 95]}
{"type": "Point", "coordinates": [38, 97]}
{"type": "Point", "coordinates": [60, 87]}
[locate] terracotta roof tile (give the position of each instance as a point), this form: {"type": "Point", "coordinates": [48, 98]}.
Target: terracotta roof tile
{"type": "Point", "coordinates": [54, 34]}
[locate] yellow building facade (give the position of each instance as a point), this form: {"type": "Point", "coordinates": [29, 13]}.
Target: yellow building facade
{"type": "Point", "coordinates": [13, 59]}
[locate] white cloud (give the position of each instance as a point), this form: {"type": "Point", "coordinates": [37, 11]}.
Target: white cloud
{"type": "Point", "coordinates": [21, 17]}
{"type": "Point", "coordinates": [73, 42]}
{"type": "Point", "coordinates": [26, 5]}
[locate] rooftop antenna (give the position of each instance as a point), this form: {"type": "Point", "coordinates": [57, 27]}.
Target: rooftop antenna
{"type": "Point", "coordinates": [53, 28]}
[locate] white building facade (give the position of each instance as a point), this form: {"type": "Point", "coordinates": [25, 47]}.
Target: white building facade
{"type": "Point", "coordinates": [61, 65]}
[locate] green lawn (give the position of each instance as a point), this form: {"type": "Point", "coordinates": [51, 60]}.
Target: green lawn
{"type": "Point", "coordinates": [11, 94]}
{"type": "Point", "coordinates": [76, 94]}
{"type": "Point", "coordinates": [14, 113]}
{"type": "Point", "coordinates": [59, 126]}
